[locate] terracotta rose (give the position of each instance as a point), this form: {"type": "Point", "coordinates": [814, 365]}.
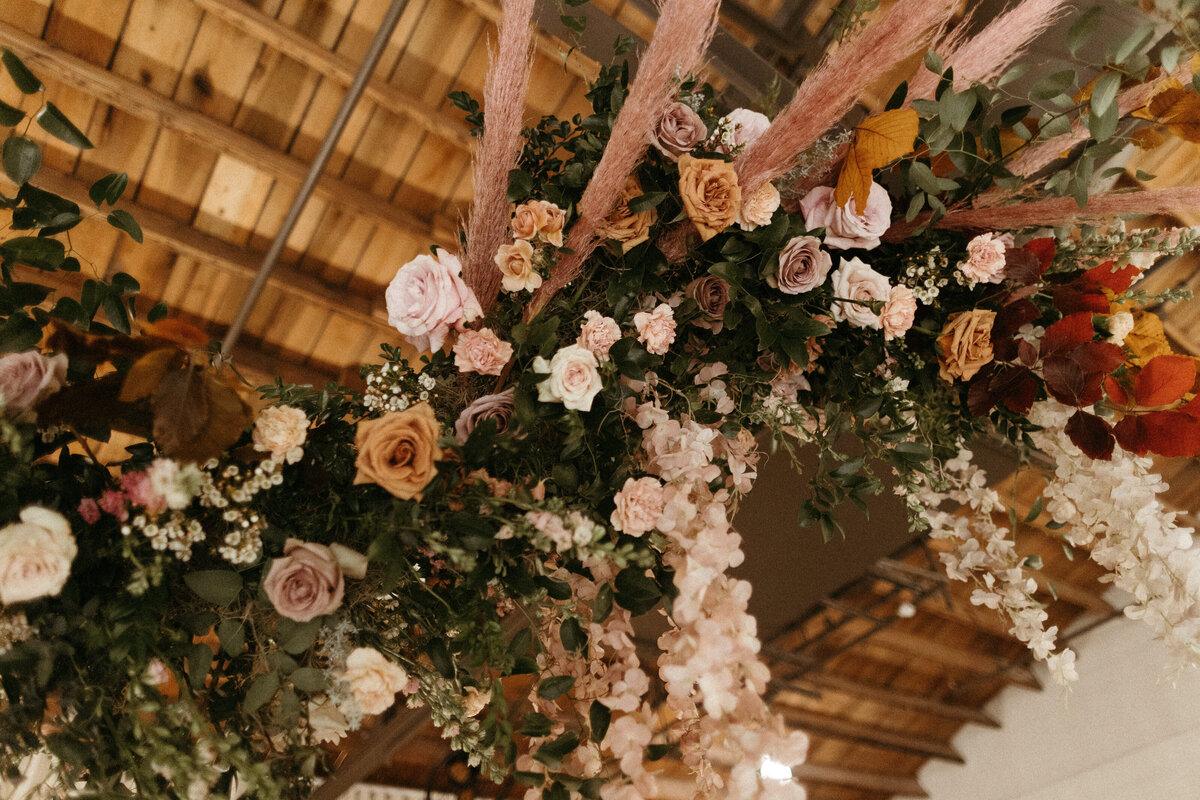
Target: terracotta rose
{"type": "Point", "coordinates": [965, 344]}
{"type": "Point", "coordinates": [399, 451]}
{"type": "Point", "coordinates": [710, 192]}
{"type": "Point", "coordinates": [623, 225]}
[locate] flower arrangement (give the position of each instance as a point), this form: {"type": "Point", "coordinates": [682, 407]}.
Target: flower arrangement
{"type": "Point", "coordinates": [557, 449]}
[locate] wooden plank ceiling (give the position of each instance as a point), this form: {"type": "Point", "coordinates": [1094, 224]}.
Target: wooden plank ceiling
{"type": "Point", "coordinates": [215, 108]}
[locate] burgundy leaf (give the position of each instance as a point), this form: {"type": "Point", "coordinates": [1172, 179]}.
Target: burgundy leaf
{"type": "Point", "coordinates": [1022, 267]}
{"type": "Point", "coordinates": [1015, 387]}
{"type": "Point", "coordinates": [1091, 434]}
{"type": "Point", "coordinates": [1099, 357]}
{"type": "Point", "coordinates": [1070, 383]}
{"type": "Point", "coordinates": [1131, 434]}
{"type": "Point", "coordinates": [979, 396]}
{"type": "Point", "coordinates": [1070, 300]}
{"type": "Point", "coordinates": [1027, 353]}
{"type": "Point", "coordinates": [1118, 281]}
{"type": "Point", "coordinates": [1068, 333]}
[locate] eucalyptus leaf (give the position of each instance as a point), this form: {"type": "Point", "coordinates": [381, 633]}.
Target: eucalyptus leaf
{"type": "Point", "coordinates": [55, 123]}
{"type": "Point", "coordinates": [261, 690]}
{"type": "Point", "coordinates": [215, 585]}
{"type": "Point", "coordinates": [309, 679]}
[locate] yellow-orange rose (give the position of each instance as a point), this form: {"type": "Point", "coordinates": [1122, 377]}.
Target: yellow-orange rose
{"type": "Point", "coordinates": [965, 344]}
{"type": "Point", "coordinates": [399, 451]}
{"type": "Point", "coordinates": [710, 192]}
{"type": "Point", "coordinates": [624, 226]}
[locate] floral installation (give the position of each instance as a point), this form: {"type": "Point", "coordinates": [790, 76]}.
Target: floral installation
{"type": "Point", "coordinates": [557, 439]}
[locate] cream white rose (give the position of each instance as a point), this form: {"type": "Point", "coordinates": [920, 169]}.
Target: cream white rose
{"type": "Point", "coordinates": [1120, 325]}
{"type": "Point", "coordinates": [326, 723]}
{"type": "Point", "coordinates": [574, 377]}
{"type": "Point", "coordinates": [35, 556]}
{"type": "Point", "coordinates": [26, 377]}
{"type": "Point", "coordinates": [374, 680]}
{"type": "Point", "coordinates": [855, 280]}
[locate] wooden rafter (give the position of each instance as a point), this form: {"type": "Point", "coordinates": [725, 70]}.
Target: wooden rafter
{"type": "Point", "coordinates": [859, 779]}
{"type": "Point", "coordinates": [578, 64]}
{"type": "Point", "coordinates": [892, 698]}
{"type": "Point", "coordinates": [869, 735]}
{"type": "Point", "coordinates": [149, 105]}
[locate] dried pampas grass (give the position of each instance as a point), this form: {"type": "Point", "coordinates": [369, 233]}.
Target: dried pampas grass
{"type": "Point", "coordinates": [1064, 210]}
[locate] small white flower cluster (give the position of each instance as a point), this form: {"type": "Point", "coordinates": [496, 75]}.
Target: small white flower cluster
{"type": "Point", "coordinates": [14, 629]}
{"type": "Point", "coordinates": [171, 531]}
{"type": "Point", "coordinates": [926, 275]}
{"type": "Point", "coordinates": [1112, 508]}
{"type": "Point", "coordinates": [243, 543]}
{"type": "Point", "coordinates": [391, 387]}
{"type": "Point", "coordinates": [986, 554]}
{"type": "Point", "coordinates": [232, 490]}
{"type": "Point", "coordinates": [448, 708]}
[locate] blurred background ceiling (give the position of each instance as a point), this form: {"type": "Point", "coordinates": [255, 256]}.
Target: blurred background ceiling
{"type": "Point", "coordinates": [216, 108]}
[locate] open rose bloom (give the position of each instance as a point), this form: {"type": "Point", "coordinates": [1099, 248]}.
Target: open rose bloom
{"type": "Point", "coordinates": [427, 299]}
{"type": "Point", "coordinates": [35, 556]}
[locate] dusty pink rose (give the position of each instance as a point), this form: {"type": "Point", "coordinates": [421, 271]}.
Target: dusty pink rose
{"type": "Point", "coordinates": [498, 407]}
{"type": "Point", "coordinates": [25, 377]}
{"type": "Point", "coordinates": [985, 259]}
{"type": "Point", "coordinates": [574, 378]}
{"type": "Point", "coordinates": [428, 297]}
{"type": "Point", "coordinates": [281, 431]}
{"type": "Point", "coordinates": [639, 506]}
{"type": "Point", "coordinates": [898, 312]}
{"type": "Point", "coordinates": [803, 266]}
{"type": "Point", "coordinates": [481, 351]}
{"type": "Point", "coordinates": [306, 583]}
{"type": "Point", "coordinates": [656, 329]}
{"type": "Point", "coordinates": [598, 333]}
{"type": "Point", "coordinates": [550, 221]}
{"type": "Point", "coordinates": [678, 131]}
{"type": "Point", "coordinates": [89, 510]}
{"type": "Point", "coordinates": [855, 280]}
{"type": "Point", "coordinates": [844, 227]}
{"type": "Point", "coordinates": [745, 126]}
{"type": "Point", "coordinates": [524, 222]}
{"type": "Point", "coordinates": [374, 680]}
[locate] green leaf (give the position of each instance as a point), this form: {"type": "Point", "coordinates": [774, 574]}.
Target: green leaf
{"type": "Point", "coordinates": [33, 251]}
{"type": "Point", "coordinates": [573, 636]}
{"type": "Point", "coordinates": [520, 184]}
{"type": "Point", "coordinates": [1105, 92]}
{"type": "Point", "coordinates": [296, 637]}
{"type": "Point", "coordinates": [599, 716]}
{"type": "Point", "coordinates": [636, 591]}
{"type": "Point", "coordinates": [555, 687]}
{"type": "Point", "coordinates": [1036, 510]}
{"type": "Point", "coordinates": [109, 188]}
{"type": "Point", "coordinates": [603, 604]}
{"type": "Point", "coordinates": [522, 640]}
{"type": "Point", "coordinates": [955, 109]}
{"type": "Point", "coordinates": [1053, 84]}
{"type": "Point", "coordinates": [535, 724]}
{"type": "Point", "coordinates": [10, 115]}
{"type": "Point", "coordinates": [574, 23]}
{"type": "Point", "coordinates": [199, 662]}
{"type": "Point", "coordinates": [25, 80]}
{"type": "Point", "coordinates": [22, 158]}
{"type": "Point", "coordinates": [55, 123]}
{"type": "Point", "coordinates": [646, 202]}
{"type": "Point", "coordinates": [1083, 28]}
{"type": "Point", "coordinates": [157, 312]}
{"type": "Point", "coordinates": [933, 62]}
{"type": "Point", "coordinates": [309, 679]}
{"type": "Point", "coordinates": [439, 654]}
{"type": "Point", "coordinates": [232, 635]}
{"type": "Point", "coordinates": [123, 221]}
{"type": "Point", "coordinates": [551, 753]}
{"type": "Point", "coordinates": [215, 585]}
{"type": "Point", "coordinates": [114, 309]}
{"type": "Point", "coordinates": [1013, 73]}
{"type": "Point", "coordinates": [261, 690]}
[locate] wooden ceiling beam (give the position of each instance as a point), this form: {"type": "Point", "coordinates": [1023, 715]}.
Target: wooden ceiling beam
{"type": "Point", "coordinates": [581, 65]}
{"type": "Point", "coordinates": [846, 730]}
{"type": "Point", "coordinates": [892, 698]}
{"type": "Point", "coordinates": [145, 104]}
{"type": "Point", "coordinates": [294, 44]}
{"type": "Point", "coordinates": [891, 785]}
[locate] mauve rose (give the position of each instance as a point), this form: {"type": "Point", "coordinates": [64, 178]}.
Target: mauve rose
{"type": "Point", "coordinates": [803, 266]}
{"type": "Point", "coordinates": [844, 227]}
{"type": "Point", "coordinates": [678, 131]}
{"type": "Point", "coordinates": [855, 280]}
{"type": "Point", "coordinates": [598, 334]}
{"type": "Point", "coordinates": [306, 583]}
{"type": "Point", "coordinates": [711, 295]}
{"type": "Point", "coordinates": [498, 407]}
{"type": "Point", "coordinates": [24, 377]}
{"type": "Point", "coordinates": [481, 351]}
{"type": "Point", "coordinates": [898, 312]}
{"type": "Point", "coordinates": [746, 127]}
{"type": "Point", "coordinates": [35, 555]}
{"type": "Point", "coordinates": [428, 297]}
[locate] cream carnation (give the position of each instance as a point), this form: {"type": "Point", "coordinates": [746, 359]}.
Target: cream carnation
{"type": "Point", "coordinates": [574, 377]}
{"type": "Point", "coordinates": [759, 208]}
{"type": "Point", "coordinates": [374, 680]}
{"type": "Point", "coordinates": [598, 333]}
{"type": "Point", "coordinates": [35, 556]}
{"type": "Point", "coordinates": [428, 298]}
{"type": "Point", "coordinates": [326, 723]}
{"type": "Point", "coordinates": [639, 506]}
{"type": "Point", "coordinates": [844, 227]}
{"type": "Point", "coordinates": [26, 377]}
{"type": "Point", "coordinates": [281, 431]}
{"type": "Point", "coordinates": [985, 259]}
{"type": "Point", "coordinates": [481, 351]}
{"type": "Point", "coordinates": [898, 312]}
{"type": "Point", "coordinates": [656, 329]}
{"type": "Point", "coordinates": [855, 280]}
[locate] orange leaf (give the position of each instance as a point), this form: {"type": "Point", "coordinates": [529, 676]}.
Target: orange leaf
{"type": "Point", "coordinates": [1172, 433]}
{"type": "Point", "coordinates": [1176, 108]}
{"type": "Point", "coordinates": [181, 333]}
{"type": "Point", "coordinates": [147, 372]}
{"type": "Point", "coordinates": [1164, 380]}
{"type": "Point", "coordinates": [1115, 391]}
{"type": "Point", "coordinates": [1147, 340]}
{"type": "Point", "coordinates": [878, 141]}
{"type": "Point", "coordinates": [853, 182]}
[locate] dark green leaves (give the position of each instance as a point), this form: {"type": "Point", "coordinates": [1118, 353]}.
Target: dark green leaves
{"type": "Point", "coordinates": [520, 185]}
{"type": "Point", "coordinates": [261, 690]}
{"type": "Point", "coordinates": [10, 115]}
{"type": "Point", "coordinates": [215, 585]}
{"type": "Point", "coordinates": [535, 724]}
{"type": "Point", "coordinates": [22, 158]}
{"type": "Point", "coordinates": [109, 188]}
{"type": "Point", "coordinates": [308, 679]}
{"type": "Point", "coordinates": [55, 123]}
{"type": "Point", "coordinates": [573, 635]}
{"type": "Point", "coordinates": [636, 591]}
{"type": "Point", "coordinates": [25, 80]}
{"type": "Point", "coordinates": [32, 251]}
{"type": "Point", "coordinates": [552, 753]}
{"type": "Point", "coordinates": [124, 221]}
{"type": "Point", "coordinates": [599, 716]}
{"type": "Point", "coordinates": [555, 687]}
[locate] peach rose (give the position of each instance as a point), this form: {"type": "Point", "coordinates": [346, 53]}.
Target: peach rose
{"type": "Point", "coordinates": [855, 280]}
{"type": "Point", "coordinates": [35, 555]}
{"type": "Point", "coordinates": [965, 344]}
{"type": "Point", "coordinates": [710, 192]}
{"type": "Point", "coordinates": [481, 351]}
{"type": "Point", "coordinates": [516, 267]}
{"type": "Point", "coordinates": [985, 259]}
{"type": "Point", "coordinates": [306, 583]}
{"type": "Point", "coordinates": [550, 221]}
{"type": "Point", "coordinates": [624, 226]}
{"type": "Point", "coordinates": [759, 208]}
{"type": "Point", "coordinates": [428, 297]}
{"type": "Point", "coordinates": [524, 222]}
{"type": "Point", "coordinates": [399, 451]}
{"type": "Point", "coordinates": [26, 377]}
{"type": "Point", "coordinates": [803, 266]}
{"type": "Point", "coordinates": [639, 506]}
{"type": "Point", "coordinates": [374, 680]}
{"type": "Point", "coordinates": [844, 227]}
{"type": "Point", "coordinates": [598, 334]}
{"type": "Point", "coordinates": [574, 378]}
{"type": "Point", "coordinates": [678, 131]}
{"type": "Point", "coordinates": [281, 431]}
{"type": "Point", "coordinates": [898, 312]}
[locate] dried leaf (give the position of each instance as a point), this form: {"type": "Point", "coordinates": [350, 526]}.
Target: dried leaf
{"type": "Point", "coordinates": [878, 141]}
{"type": "Point", "coordinates": [1147, 339]}
{"type": "Point", "coordinates": [1177, 109]}
{"type": "Point", "coordinates": [1117, 281]}
{"type": "Point", "coordinates": [1164, 380]}
{"type": "Point", "coordinates": [1131, 434]}
{"type": "Point", "coordinates": [1147, 138]}
{"type": "Point", "coordinates": [1015, 388]}
{"type": "Point", "coordinates": [196, 416]}
{"type": "Point", "coordinates": [148, 371]}
{"type": "Point", "coordinates": [184, 334]}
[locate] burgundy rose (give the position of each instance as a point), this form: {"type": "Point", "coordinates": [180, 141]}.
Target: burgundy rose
{"type": "Point", "coordinates": [491, 406]}
{"type": "Point", "coordinates": [711, 295]}
{"type": "Point", "coordinates": [306, 583]}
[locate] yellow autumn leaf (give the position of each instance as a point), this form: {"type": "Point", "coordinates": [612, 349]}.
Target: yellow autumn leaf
{"type": "Point", "coordinates": [877, 142]}
{"type": "Point", "coordinates": [1147, 339]}
{"type": "Point", "coordinates": [1177, 110]}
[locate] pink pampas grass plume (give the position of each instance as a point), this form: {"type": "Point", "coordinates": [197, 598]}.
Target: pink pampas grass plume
{"type": "Point", "coordinates": [1064, 210]}
{"type": "Point", "coordinates": [829, 92]}
{"type": "Point", "coordinates": [988, 54]}
{"type": "Point", "coordinates": [499, 150]}
{"type": "Point", "coordinates": [684, 29]}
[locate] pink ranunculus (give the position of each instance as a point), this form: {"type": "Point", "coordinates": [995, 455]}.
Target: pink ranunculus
{"type": "Point", "coordinates": [639, 506]}
{"type": "Point", "coordinates": [855, 280]}
{"type": "Point", "coordinates": [26, 377]}
{"type": "Point", "coordinates": [803, 266]}
{"type": "Point", "coordinates": [498, 407]}
{"type": "Point", "coordinates": [678, 131]}
{"type": "Point", "coordinates": [898, 312]}
{"type": "Point", "coordinates": [89, 510]}
{"type": "Point", "coordinates": [746, 126]}
{"type": "Point", "coordinates": [985, 259]}
{"type": "Point", "coordinates": [481, 351]}
{"type": "Point", "coordinates": [656, 329]}
{"type": "Point", "coordinates": [844, 227]}
{"type": "Point", "coordinates": [428, 298]}
{"type": "Point", "coordinates": [306, 583]}
{"type": "Point", "coordinates": [598, 333]}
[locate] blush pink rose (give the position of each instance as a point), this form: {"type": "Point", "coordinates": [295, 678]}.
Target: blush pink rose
{"type": "Point", "coordinates": [656, 329]}
{"type": "Point", "coordinates": [25, 377]}
{"type": "Point", "coordinates": [306, 583]}
{"type": "Point", "coordinates": [598, 333]}
{"type": "Point", "coordinates": [481, 351]}
{"type": "Point", "coordinates": [574, 378]}
{"type": "Point", "coordinates": [678, 131]}
{"type": "Point", "coordinates": [803, 266]}
{"type": "Point", "coordinates": [35, 555]}
{"type": "Point", "coordinates": [428, 298]}
{"type": "Point", "coordinates": [898, 312]}
{"type": "Point", "coordinates": [855, 280]}
{"type": "Point", "coordinates": [745, 127]}
{"type": "Point", "coordinates": [639, 506]}
{"type": "Point", "coordinates": [844, 227]}
{"type": "Point", "coordinates": [985, 259]}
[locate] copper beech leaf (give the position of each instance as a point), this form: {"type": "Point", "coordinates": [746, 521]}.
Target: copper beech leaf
{"type": "Point", "coordinates": [147, 372]}
{"type": "Point", "coordinates": [196, 416]}
{"type": "Point", "coordinates": [1116, 392]}
{"type": "Point", "coordinates": [1068, 333]}
{"type": "Point", "coordinates": [1091, 434]}
{"type": "Point", "coordinates": [1172, 434]}
{"type": "Point", "coordinates": [878, 141]}
{"type": "Point", "coordinates": [1131, 434]}
{"type": "Point", "coordinates": [1164, 380]}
